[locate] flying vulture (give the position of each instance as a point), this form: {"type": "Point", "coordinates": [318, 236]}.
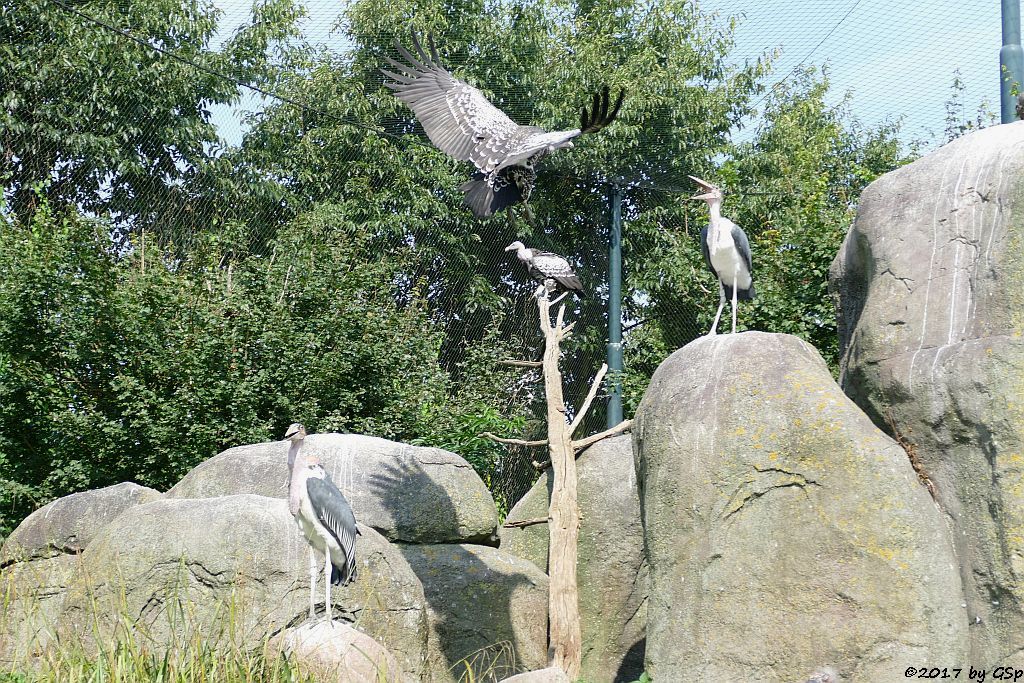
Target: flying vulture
{"type": "Point", "coordinates": [460, 121]}
{"type": "Point", "coordinates": [550, 270]}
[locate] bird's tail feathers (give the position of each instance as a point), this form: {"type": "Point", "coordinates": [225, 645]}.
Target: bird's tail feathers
{"type": "Point", "coordinates": [573, 285]}
{"type": "Point", "coordinates": [342, 576]}
{"type": "Point", "coordinates": [741, 294]}
{"type": "Point", "coordinates": [485, 199]}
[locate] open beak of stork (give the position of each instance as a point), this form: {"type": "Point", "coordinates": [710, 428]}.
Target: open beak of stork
{"type": "Point", "coordinates": [708, 191]}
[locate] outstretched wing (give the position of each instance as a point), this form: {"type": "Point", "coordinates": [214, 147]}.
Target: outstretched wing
{"type": "Point", "coordinates": [599, 117]}
{"type": "Point", "coordinates": [457, 117]}
{"type": "Point", "coordinates": [335, 514]}
{"type": "Point", "coordinates": [460, 121]}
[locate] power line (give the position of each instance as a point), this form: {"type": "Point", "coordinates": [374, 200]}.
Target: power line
{"type": "Point", "coordinates": [241, 84]}
{"type": "Point", "coordinates": [808, 55]}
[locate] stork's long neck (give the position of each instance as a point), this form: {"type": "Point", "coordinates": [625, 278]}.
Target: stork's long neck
{"type": "Point", "coordinates": [718, 234]}
{"type": "Point", "coordinates": [295, 478]}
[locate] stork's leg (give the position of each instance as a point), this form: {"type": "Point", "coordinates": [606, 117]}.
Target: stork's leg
{"type": "Point", "coordinates": [721, 305]}
{"type": "Point", "coordinates": [734, 279]}
{"type": "Point", "coordinates": [313, 569]}
{"type": "Point", "coordinates": [327, 582]}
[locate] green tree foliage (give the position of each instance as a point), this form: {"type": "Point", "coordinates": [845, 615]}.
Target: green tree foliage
{"type": "Point", "coordinates": [90, 118]}
{"type": "Point", "coordinates": [325, 270]}
{"type": "Point", "coordinates": [122, 368]}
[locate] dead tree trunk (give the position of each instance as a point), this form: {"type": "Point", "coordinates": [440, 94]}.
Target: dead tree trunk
{"type": "Point", "coordinates": [565, 640]}
{"type": "Point", "coordinates": [565, 649]}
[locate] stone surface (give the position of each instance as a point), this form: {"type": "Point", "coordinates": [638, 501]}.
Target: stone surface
{"type": "Point", "coordinates": [783, 529]}
{"type": "Point", "coordinates": [407, 493]}
{"type": "Point", "coordinates": [612, 569]}
{"type": "Point", "coordinates": [67, 524]}
{"type": "Point", "coordinates": [31, 603]}
{"type": "Point", "coordinates": [929, 285]}
{"type": "Point", "coordinates": [550, 675]}
{"type": "Point", "coordinates": [337, 653]}
{"type": "Point", "coordinates": [481, 600]}
{"type": "Point", "coordinates": [175, 567]}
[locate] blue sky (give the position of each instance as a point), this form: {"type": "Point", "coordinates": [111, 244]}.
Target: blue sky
{"type": "Point", "coordinates": [897, 58]}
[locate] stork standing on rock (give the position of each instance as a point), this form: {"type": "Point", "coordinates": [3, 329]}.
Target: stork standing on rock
{"type": "Point", "coordinates": [323, 515]}
{"type": "Point", "coordinates": [726, 250]}
{"type": "Point", "coordinates": [550, 270]}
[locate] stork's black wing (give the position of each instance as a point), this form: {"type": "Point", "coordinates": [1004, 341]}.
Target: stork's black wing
{"type": "Point", "coordinates": [335, 514]}
{"type": "Point", "coordinates": [706, 250]}
{"type": "Point", "coordinates": [739, 238]}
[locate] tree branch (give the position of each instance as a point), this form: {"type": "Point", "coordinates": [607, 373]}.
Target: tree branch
{"type": "Point", "coordinates": [524, 523]}
{"type": "Point", "coordinates": [591, 440]}
{"type": "Point", "coordinates": [578, 420]}
{"type": "Point", "coordinates": [578, 446]}
{"type": "Point", "coordinates": [514, 442]}
{"type": "Point", "coordinates": [522, 363]}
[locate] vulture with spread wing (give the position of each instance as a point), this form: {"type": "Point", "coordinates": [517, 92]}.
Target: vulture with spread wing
{"type": "Point", "coordinates": [460, 121]}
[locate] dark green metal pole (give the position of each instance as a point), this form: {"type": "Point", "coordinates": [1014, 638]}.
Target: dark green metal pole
{"type": "Point", "coordinates": [1011, 61]}
{"type": "Point", "coordinates": [615, 308]}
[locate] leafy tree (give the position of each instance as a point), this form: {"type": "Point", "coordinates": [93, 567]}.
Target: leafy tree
{"type": "Point", "coordinates": [93, 119]}
{"type": "Point", "coordinates": [120, 368]}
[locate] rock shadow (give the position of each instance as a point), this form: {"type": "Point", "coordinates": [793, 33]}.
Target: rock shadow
{"type": "Point", "coordinates": [471, 600]}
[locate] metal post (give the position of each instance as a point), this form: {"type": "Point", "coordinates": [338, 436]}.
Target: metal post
{"type": "Point", "coordinates": [1011, 61]}
{"type": "Point", "coordinates": [615, 308]}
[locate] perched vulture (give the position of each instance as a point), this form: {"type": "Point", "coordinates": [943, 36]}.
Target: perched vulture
{"type": "Point", "coordinates": [460, 121]}
{"type": "Point", "coordinates": [550, 270]}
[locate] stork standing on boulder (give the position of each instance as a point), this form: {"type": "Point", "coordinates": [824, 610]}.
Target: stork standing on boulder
{"type": "Point", "coordinates": [550, 270]}
{"type": "Point", "coordinates": [726, 250]}
{"type": "Point", "coordinates": [323, 515]}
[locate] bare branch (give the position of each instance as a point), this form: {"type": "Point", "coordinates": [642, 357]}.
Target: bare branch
{"type": "Point", "coordinates": [560, 297]}
{"type": "Point", "coordinates": [514, 442]}
{"type": "Point", "coordinates": [591, 440]}
{"type": "Point", "coordinates": [284, 287]}
{"type": "Point", "coordinates": [578, 420]}
{"type": "Point", "coordinates": [560, 318]}
{"type": "Point", "coordinates": [522, 363]}
{"type": "Point", "coordinates": [525, 522]}
{"type": "Point", "coordinates": [564, 331]}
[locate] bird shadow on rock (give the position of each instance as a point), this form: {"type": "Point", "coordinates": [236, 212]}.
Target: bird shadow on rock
{"type": "Point", "coordinates": [473, 618]}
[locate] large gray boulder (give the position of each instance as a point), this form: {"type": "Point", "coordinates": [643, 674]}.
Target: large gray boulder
{"type": "Point", "coordinates": [177, 567]}
{"type": "Point", "coordinates": [66, 525]}
{"type": "Point", "coordinates": [612, 567]}
{"type": "Point", "coordinates": [487, 607]}
{"type": "Point", "coordinates": [929, 285]}
{"type": "Point", "coordinates": [784, 531]}
{"type": "Point", "coordinates": [549, 675]}
{"type": "Point", "coordinates": [407, 493]}
{"type": "Point", "coordinates": [337, 653]}
{"type": "Point", "coordinates": [39, 560]}
{"type": "Point", "coordinates": [32, 602]}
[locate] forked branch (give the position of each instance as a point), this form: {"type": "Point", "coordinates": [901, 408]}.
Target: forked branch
{"type": "Point", "coordinates": [591, 395]}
